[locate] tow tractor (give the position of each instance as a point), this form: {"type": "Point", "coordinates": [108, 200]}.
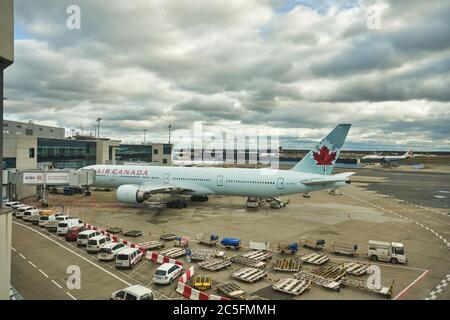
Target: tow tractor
{"type": "Point", "coordinates": [278, 203]}
{"type": "Point", "coordinates": [275, 203]}
{"type": "Point", "coordinates": [387, 251]}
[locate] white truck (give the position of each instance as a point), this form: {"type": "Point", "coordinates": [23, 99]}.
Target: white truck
{"type": "Point", "coordinates": [392, 252]}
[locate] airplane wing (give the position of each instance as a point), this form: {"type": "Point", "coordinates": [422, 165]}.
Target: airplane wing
{"type": "Point", "coordinates": [342, 177]}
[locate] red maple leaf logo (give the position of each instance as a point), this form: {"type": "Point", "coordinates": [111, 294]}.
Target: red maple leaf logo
{"type": "Point", "coordinates": [324, 157]}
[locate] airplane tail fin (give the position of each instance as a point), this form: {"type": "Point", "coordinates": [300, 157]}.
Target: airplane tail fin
{"type": "Point", "coordinates": [410, 153]}
{"type": "Point", "coordinates": [322, 158]}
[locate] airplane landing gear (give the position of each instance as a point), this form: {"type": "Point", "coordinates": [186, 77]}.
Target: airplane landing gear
{"type": "Point", "coordinates": [176, 204]}
{"type": "Point", "coordinates": [196, 198]}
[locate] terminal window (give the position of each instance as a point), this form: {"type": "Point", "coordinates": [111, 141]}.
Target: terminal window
{"type": "Point", "coordinates": [167, 149]}
{"type": "Point", "coordinates": [155, 151]}
{"type": "Point", "coordinates": [31, 152]}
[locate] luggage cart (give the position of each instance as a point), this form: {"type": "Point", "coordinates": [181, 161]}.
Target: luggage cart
{"type": "Point", "coordinates": [114, 230]}
{"type": "Point", "coordinates": [182, 242]}
{"type": "Point", "coordinates": [259, 255]}
{"type": "Point", "coordinates": [248, 261]}
{"type": "Point", "coordinates": [347, 249]}
{"type": "Point", "coordinates": [173, 252]}
{"type": "Point", "coordinates": [249, 275]}
{"type": "Point", "coordinates": [292, 286]}
{"type": "Point", "coordinates": [207, 239]}
{"type": "Point", "coordinates": [215, 264]}
{"type": "Point", "coordinates": [231, 290]}
{"type": "Point", "coordinates": [151, 245]}
{"type": "Point", "coordinates": [362, 284]}
{"type": "Point", "coordinates": [334, 273]}
{"type": "Point", "coordinates": [231, 243]}
{"type": "Point", "coordinates": [356, 268]}
{"type": "Point", "coordinates": [133, 233]}
{"type": "Point", "coordinates": [168, 237]}
{"type": "Point", "coordinates": [317, 259]}
{"type": "Point", "coordinates": [205, 254]}
{"type": "Point", "coordinates": [318, 280]}
{"type": "Point", "coordinates": [287, 265]}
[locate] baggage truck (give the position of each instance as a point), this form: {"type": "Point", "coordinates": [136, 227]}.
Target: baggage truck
{"type": "Point", "coordinates": [232, 243]}
{"type": "Point", "coordinates": [261, 246]}
{"type": "Point", "coordinates": [392, 252]}
{"type": "Point", "coordinates": [207, 239]}
{"type": "Point", "coordinates": [291, 248]}
{"type": "Point", "coordinates": [312, 244]}
{"type": "Point", "coordinates": [344, 248]}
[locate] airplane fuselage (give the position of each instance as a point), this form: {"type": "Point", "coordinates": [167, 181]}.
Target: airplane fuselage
{"type": "Point", "coordinates": [262, 183]}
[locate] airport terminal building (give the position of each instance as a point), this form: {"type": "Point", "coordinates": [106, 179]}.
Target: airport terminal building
{"type": "Point", "coordinates": [27, 145]}
{"type": "Point", "coordinates": [152, 153]}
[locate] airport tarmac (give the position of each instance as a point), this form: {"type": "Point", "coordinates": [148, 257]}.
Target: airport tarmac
{"type": "Point", "coordinates": [356, 216]}
{"type": "Point", "coordinates": [425, 189]}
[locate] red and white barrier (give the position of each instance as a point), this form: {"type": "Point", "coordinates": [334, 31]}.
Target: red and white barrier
{"type": "Point", "coordinates": [191, 293]}
{"type": "Point", "coordinates": [159, 258]}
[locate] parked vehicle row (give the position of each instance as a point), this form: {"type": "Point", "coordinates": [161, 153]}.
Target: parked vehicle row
{"type": "Point", "coordinates": [73, 229]}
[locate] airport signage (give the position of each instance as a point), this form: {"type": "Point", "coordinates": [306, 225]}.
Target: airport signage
{"type": "Point", "coordinates": [51, 178]}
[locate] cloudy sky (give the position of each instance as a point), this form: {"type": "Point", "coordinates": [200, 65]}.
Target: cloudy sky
{"type": "Point", "coordinates": [296, 66]}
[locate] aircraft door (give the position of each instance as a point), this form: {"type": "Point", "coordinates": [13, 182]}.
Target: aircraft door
{"type": "Point", "coordinates": [280, 183]}
{"type": "Point", "coordinates": [166, 178]}
{"type": "Point", "coordinates": [220, 181]}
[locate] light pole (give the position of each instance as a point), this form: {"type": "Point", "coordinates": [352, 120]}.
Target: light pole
{"type": "Point", "coordinates": [170, 126]}
{"type": "Point", "coordinates": [145, 131]}
{"type": "Point", "coordinates": [98, 126]}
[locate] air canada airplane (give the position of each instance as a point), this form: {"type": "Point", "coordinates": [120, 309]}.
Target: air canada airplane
{"type": "Point", "coordinates": [135, 184]}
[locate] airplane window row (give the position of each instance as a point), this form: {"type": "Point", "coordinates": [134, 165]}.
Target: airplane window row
{"type": "Point", "coordinates": [192, 179]}
{"type": "Point", "coordinates": [254, 182]}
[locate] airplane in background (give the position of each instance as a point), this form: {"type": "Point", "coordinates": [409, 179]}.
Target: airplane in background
{"type": "Point", "coordinates": [376, 157]}
{"type": "Point", "coordinates": [136, 184]}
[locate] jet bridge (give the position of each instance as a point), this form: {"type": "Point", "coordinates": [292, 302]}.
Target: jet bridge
{"type": "Point", "coordinates": [44, 179]}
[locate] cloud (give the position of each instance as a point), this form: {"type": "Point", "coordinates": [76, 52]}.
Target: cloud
{"type": "Point", "coordinates": [298, 66]}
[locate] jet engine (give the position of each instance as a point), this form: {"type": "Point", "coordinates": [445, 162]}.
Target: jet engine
{"type": "Point", "coordinates": [131, 194]}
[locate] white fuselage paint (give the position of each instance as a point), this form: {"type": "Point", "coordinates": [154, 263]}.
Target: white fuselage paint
{"type": "Point", "coordinates": [211, 181]}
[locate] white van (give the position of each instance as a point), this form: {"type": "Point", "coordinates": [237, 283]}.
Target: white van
{"type": "Point", "coordinates": [52, 225]}
{"type": "Point", "coordinates": [30, 213]}
{"type": "Point", "coordinates": [95, 243]}
{"type": "Point", "coordinates": [43, 220]}
{"type": "Point", "coordinates": [20, 211]}
{"type": "Point", "coordinates": [11, 203]}
{"type": "Point", "coordinates": [84, 236]}
{"type": "Point", "coordinates": [109, 251]}
{"type": "Point", "coordinates": [64, 226]}
{"type": "Point", "coordinates": [18, 205]}
{"type": "Point", "coordinates": [128, 258]}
